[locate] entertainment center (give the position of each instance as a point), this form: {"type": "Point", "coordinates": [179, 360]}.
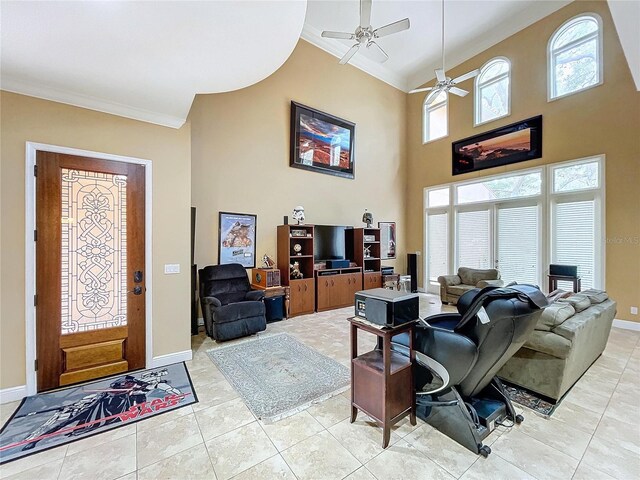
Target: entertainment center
{"type": "Point", "coordinates": [330, 264]}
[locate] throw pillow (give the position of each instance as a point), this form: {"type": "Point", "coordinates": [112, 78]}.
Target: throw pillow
{"type": "Point", "coordinates": [596, 296]}
{"type": "Point", "coordinates": [554, 315]}
{"type": "Point", "coordinates": [578, 301]}
{"type": "Point", "coordinates": [558, 294]}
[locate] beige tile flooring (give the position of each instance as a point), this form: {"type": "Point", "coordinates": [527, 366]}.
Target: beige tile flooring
{"type": "Point", "coordinates": [594, 434]}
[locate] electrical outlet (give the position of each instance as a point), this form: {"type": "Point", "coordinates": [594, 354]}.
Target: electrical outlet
{"type": "Point", "coordinates": [171, 268]}
{"type": "Point", "coordinates": [634, 310]}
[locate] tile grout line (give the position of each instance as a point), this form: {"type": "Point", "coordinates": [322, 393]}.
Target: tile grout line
{"type": "Point", "coordinates": [278, 451]}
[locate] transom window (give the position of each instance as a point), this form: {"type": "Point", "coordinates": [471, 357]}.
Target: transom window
{"type": "Point", "coordinates": [575, 56]}
{"type": "Point", "coordinates": [435, 118]}
{"type": "Point", "coordinates": [493, 91]}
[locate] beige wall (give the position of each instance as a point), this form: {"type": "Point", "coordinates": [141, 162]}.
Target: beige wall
{"type": "Point", "coordinates": [29, 119]}
{"type": "Point", "coordinates": [240, 152]}
{"type": "Point", "coordinates": [602, 120]}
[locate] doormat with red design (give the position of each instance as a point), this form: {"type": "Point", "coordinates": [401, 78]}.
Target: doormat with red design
{"type": "Point", "coordinates": [54, 418]}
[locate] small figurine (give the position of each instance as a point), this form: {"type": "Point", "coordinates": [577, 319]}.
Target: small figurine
{"type": "Point", "coordinates": [367, 218]}
{"type": "Point", "coordinates": [267, 262]}
{"type": "Point", "coordinates": [298, 214]}
{"type": "Point", "coordinates": [295, 271]}
{"type": "Point", "coordinates": [367, 251]}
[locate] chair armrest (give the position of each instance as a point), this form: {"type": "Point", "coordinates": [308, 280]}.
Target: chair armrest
{"type": "Point", "coordinates": [255, 295]}
{"type": "Point", "coordinates": [449, 280]}
{"type": "Point", "coordinates": [212, 301]}
{"type": "Point", "coordinates": [490, 283]}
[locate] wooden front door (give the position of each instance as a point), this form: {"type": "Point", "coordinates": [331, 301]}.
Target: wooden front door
{"type": "Point", "coordinates": [90, 279]}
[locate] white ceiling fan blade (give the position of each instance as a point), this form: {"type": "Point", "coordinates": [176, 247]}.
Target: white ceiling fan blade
{"type": "Point", "coordinates": [433, 95]}
{"type": "Point", "coordinates": [466, 76]}
{"type": "Point", "coordinates": [458, 91]}
{"type": "Point", "coordinates": [341, 35]}
{"type": "Point", "coordinates": [379, 54]}
{"type": "Point", "coordinates": [365, 13]}
{"type": "Point", "coordinates": [394, 27]}
{"type": "Point", "coordinates": [347, 56]}
{"type": "Point", "coordinates": [418, 90]}
{"type": "Point", "coordinates": [440, 75]}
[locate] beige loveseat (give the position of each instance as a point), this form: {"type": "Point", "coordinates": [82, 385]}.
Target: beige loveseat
{"type": "Point", "coordinates": [570, 335]}
{"type": "Point", "coordinates": [453, 286]}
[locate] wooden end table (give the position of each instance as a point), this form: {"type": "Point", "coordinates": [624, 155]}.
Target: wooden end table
{"type": "Point", "coordinates": [281, 291]}
{"type": "Point", "coordinates": [554, 279]}
{"type": "Point", "coordinates": [382, 381]}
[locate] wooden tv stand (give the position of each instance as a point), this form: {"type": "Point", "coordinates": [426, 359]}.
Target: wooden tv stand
{"type": "Point", "coordinates": [336, 287]}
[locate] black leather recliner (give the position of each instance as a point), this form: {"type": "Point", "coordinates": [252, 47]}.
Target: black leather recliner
{"type": "Point", "coordinates": [459, 354]}
{"type": "Point", "coordinates": [231, 309]}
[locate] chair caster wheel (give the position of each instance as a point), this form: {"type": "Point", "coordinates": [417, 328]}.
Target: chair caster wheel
{"type": "Point", "coordinates": [519, 419]}
{"type": "Point", "coordinates": [485, 450]}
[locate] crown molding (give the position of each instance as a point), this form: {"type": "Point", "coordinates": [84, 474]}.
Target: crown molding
{"type": "Point", "coordinates": [337, 49]}
{"type": "Point", "coordinates": [15, 85]}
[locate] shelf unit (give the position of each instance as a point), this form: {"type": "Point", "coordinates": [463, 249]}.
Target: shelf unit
{"type": "Point", "coordinates": [359, 239]}
{"type": "Point", "coordinates": [302, 291]}
{"type": "Point", "coordinates": [336, 288]}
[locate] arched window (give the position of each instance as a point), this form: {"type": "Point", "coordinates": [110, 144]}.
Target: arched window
{"type": "Point", "coordinates": [493, 91]}
{"type": "Point", "coordinates": [434, 116]}
{"type": "Point", "coordinates": [575, 56]}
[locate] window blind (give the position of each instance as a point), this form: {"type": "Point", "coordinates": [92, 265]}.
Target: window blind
{"type": "Point", "coordinates": [518, 252]}
{"type": "Point", "coordinates": [437, 245]}
{"type": "Point", "coordinates": [473, 239]}
{"type": "Point", "coordinates": [574, 238]}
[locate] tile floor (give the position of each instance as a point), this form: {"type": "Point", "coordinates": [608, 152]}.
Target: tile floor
{"type": "Point", "coordinates": [594, 434]}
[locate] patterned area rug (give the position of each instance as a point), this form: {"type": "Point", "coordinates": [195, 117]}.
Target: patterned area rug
{"type": "Point", "coordinates": [54, 418]}
{"type": "Point", "coordinates": [530, 400]}
{"type": "Point", "coordinates": [277, 376]}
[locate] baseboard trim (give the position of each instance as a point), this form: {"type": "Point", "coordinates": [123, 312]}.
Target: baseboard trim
{"type": "Point", "coordinates": [626, 324]}
{"type": "Point", "coordinates": [170, 358]}
{"type": "Point", "coordinates": [12, 394]}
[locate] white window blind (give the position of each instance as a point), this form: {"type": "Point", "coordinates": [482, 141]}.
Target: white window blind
{"type": "Point", "coordinates": [438, 245]}
{"type": "Point", "coordinates": [574, 238]}
{"type": "Point", "coordinates": [518, 252]}
{"type": "Point", "coordinates": [473, 239]}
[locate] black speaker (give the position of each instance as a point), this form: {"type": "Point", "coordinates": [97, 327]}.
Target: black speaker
{"type": "Point", "coordinates": [193, 234]}
{"type": "Point", "coordinates": [286, 220]}
{"type": "Point", "coordinates": [412, 269]}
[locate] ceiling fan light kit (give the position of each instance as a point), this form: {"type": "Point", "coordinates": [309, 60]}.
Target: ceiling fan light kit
{"type": "Point", "coordinates": [366, 35]}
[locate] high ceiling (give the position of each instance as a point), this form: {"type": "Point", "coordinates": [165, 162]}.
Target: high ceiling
{"type": "Point", "coordinates": [147, 60]}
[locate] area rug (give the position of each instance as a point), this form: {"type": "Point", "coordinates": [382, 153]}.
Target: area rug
{"type": "Point", "coordinates": [54, 418]}
{"type": "Point", "coordinates": [531, 400]}
{"type": "Point", "coordinates": [277, 376]}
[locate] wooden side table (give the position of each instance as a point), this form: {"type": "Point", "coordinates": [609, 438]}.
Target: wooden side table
{"type": "Point", "coordinates": [382, 381]}
{"type": "Point", "coordinates": [554, 279]}
{"type": "Point", "coordinates": [281, 291]}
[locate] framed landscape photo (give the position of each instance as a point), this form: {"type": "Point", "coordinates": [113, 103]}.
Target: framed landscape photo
{"type": "Point", "coordinates": [237, 239]}
{"type": "Point", "coordinates": [387, 240]}
{"type": "Point", "coordinates": [513, 143]}
{"type": "Point", "coordinates": [321, 142]}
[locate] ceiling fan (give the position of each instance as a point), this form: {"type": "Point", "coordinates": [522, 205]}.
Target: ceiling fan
{"type": "Point", "coordinates": [366, 35]}
{"type": "Point", "coordinates": [444, 83]}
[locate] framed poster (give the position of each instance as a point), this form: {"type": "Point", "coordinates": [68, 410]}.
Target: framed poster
{"type": "Point", "coordinates": [237, 239]}
{"type": "Point", "coordinates": [387, 240]}
{"type": "Point", "coordinates": [513, 143]}
{"type": "Point", "coordinates": [321, 142]}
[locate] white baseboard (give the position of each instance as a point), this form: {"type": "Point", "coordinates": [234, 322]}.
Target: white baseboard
{"type": "Point", "coordinates": [626, 324]}
{"type": "Point", "coordinates": [12, 394]}
{"type": "Point", "coordinates": [170, 358]}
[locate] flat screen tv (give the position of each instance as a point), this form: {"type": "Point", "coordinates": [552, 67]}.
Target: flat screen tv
{"type": "Point", "coordinates": [328, 242]}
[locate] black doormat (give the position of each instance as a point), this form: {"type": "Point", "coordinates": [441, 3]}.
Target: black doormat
{"type": "Point", "coordinates": [541, 404]}
{"type": "Point", "coordinates": [62, 416]}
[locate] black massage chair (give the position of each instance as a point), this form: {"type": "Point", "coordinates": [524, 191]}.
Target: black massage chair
{"type": "Point", "coordinates": [459, 354]}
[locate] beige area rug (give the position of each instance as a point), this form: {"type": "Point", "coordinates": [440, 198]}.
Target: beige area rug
{"type": "Point", "coordinates": [277, 376]}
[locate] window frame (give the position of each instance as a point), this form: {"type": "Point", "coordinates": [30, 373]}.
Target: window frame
{"type": "Point", "coordinates": [551, 54]}
{"type": "Point", "coordinates": [426, 109]}
{"type": "Point", "coordinates": [477, 104]}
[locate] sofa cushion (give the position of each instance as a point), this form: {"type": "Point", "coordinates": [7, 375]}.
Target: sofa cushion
{"type": "Point", "coordinates": [574, 325]}
{"type": "Point", "coordinates": [549, 343]}
{"type": "Point", "coordinates": [554, 315]}
{"type": "Point", "coordinates": [578, 301]}
{"type": "Point", "coordinates": [471, 276]}
{"type": "Point", "coordinates": [459, 289]}
{"type": "Point", "coordinates": [557, 295]}
{"type": "Point", "coordinates": [595, 296]}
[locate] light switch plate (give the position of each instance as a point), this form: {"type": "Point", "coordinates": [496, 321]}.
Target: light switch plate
{"type": "Point", "coordinates": [634, 310]}
{"type": "Point", "coordinates": [171, 268]}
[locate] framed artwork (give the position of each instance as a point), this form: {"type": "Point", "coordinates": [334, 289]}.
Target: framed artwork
{"type": "Point", "coordinates": [513, 143]}
{"type": "Point", "coordinates": [237, 239]}
{"type": "Point", "coordinates": [387, 240]}
{"type": "Point", "coordinates": [321, 142]}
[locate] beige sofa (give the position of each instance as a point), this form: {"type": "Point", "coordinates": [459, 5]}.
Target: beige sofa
{"type": "Point", "coordinates": [570, 335]}
{"type": "Point", "coordinates": [453, 286]}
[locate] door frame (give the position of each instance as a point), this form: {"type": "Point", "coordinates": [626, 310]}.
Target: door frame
{"type": "Point", "coordinates": [30, 249]}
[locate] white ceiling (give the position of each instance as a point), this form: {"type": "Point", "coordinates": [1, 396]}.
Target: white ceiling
{"type": "Point", "coordinates": [147, 60]}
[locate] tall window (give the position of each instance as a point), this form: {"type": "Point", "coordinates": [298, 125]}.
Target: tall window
{"type": "Point", "coordinates": [435, 122]}
{"type": "Point", "coordinates": [575, 56]}
{"type": "Point", "coordinates": [493, 91]}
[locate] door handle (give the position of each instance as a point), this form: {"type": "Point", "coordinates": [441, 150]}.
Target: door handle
{"type": "Point", "coordinates": [137, 290]}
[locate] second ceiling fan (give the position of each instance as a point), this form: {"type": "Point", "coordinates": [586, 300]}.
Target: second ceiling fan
{"type": "Point", "coordinates": [366, 35]}
{"type": "Point", "coordinates": [444, 83]}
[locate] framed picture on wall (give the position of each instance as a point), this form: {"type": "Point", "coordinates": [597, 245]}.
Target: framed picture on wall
{"type": "Point", "coordinates": [321, 142]}
{"type": "Point", "coordinates": [387, 240]}
{"type": "Point", "coordinates": [237, 239]}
